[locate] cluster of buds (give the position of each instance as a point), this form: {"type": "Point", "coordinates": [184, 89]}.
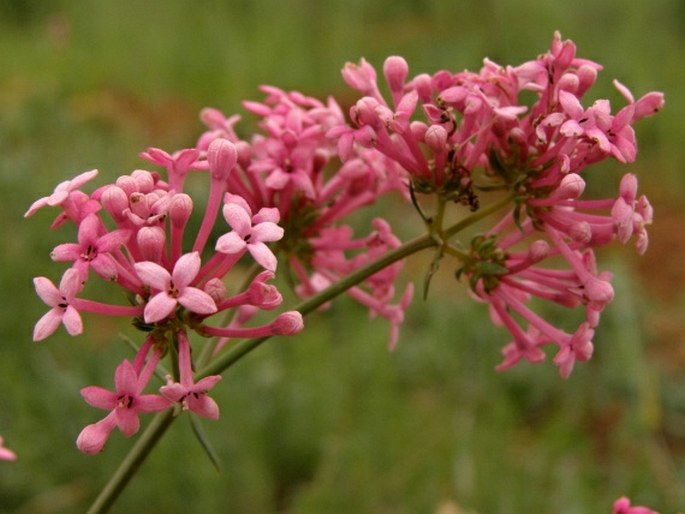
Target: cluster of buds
{"type": "Point", "coordinates": [285, 195]}
{"type": "Point", "coordinates": [468, 137]}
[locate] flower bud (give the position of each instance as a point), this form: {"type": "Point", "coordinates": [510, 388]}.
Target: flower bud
{"type": "Point", "coordinates": [571, 187]}
{"type": "Point", "coordinates": [180, 207]}
{"type": "Point", "coordinates": [436, 138]}
{"type": "Point", "coordinates": [288, 323]}
{"type": "Point", "coordinates": [395, 70]}
{"type": "Point", "coordinates": [115, 201]}
{"type": "Point", "coordinates": [222, 156]}
{"type": "Point", "coordinates": [216, 289]}
{"type": "Point", "coordinates": [263, 295]}
{"type": "Point", "coordinates": [538, 250]}
{"type": "Point", "coordinates": [145, 181]}
{"type": "Point", "coordinates": [151, 241]}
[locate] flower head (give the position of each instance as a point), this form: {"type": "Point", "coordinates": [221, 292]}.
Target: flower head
{"type": "Point", "coordinates": [250, 232]}
{"type": "Point", "coordinates": [60, 300]}
{"type": "Point", "coordinates": [174, 288]}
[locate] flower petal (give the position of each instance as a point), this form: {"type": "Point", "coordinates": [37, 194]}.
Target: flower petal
{"type": "Point", "coordinates": [263, 256]}
{"type": "Point", "coordinates": [159, 307]}
{"type": "Point", "coordinates": [72, 321]}
{"type": "Point", "coordinates": [151, 403]}
{"type": "Point", "coordinates": [126, 379]}
{"type": "Point", "coordinates": [186, 269]}
{"type": "Point", "coordinates": [153, 275]}
{"type": "Point", "coordinates": [238, 218]}
{"type": "Point", "coordinates": [266, 231]}
{"type": "Point", "coordinates": [71, 283]}
{"type": "Point", "coordinates": [202, 405]}
{"type": "Point", "coordinates": [47, 324]}
{"type": "Point", "coordinates": [127, 421]}
{"type": "Point", "coordinates": [47, 291]}
{"type": "Point", "coordinates": [196, 300]}
{"type": "Point", "coordinates": [230, 244]}
{"type": "Point", "coordinates": [99, 397]}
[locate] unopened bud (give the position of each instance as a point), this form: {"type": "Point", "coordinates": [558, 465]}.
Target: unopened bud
{"type": "Point", "coordinates": [436, 138]}
{"type": "Point", "coordinates": [115, 201]}
{"type": "Point", "coordinates": [395, 70]}
{"type": "Point", "coordinates": [288, 323]}
{"type": "Point", "coordinates": [222, 156]}
{"type": "Point", "coordinates": [180, 207]}
{"type": "Point", "coordinates": [538, 250]}
{"type": "Point", "coordinates": [216, 289]}
{"type": "Point", "coordinates": [571, 187]}
{"type": "Point", "coordinates": [151, 241]}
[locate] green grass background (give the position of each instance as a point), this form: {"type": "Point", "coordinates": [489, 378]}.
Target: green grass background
{"type": "Point", "coordinates": [330, 421]}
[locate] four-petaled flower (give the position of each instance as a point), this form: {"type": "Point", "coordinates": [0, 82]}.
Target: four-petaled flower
{"type": "Point", "coordinates": [250, 232]}
{"type": "Point", "coordinates": [193, 396]}
{"type": "Point", "coordinates": [125, 403]}
{"type": "Point", "coordinates": [93, 248]}
{"type": "Point", "coordinates": [60, 300]}
{"type": "Point", "coordinates": [174, 288]}
{"type": "Point", "coordinates": [61, 192]}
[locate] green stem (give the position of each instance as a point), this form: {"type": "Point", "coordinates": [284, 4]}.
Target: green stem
{"type": "Point", "coordinates": [477, 216]}
{"type": "Point", "coordinates": [135, 457]}
{"type": "Point", "coordinates": [154, 431]}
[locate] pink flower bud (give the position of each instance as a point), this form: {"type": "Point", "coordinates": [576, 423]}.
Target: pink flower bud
{"type": "Point", "coordinates": [395, 70]}
{"type": "Point", "coordinates": [418, 130]}
{"type": "Point", "coordinates": [453, 95]}
{"type": "Point", "coordinates": [569, 82]}
{"type": "Point", "coordinates": [92, 438]}
{"type": "Point", "coordinates": [222, 156]}
{"type": "Point", "coordinates": [571, 187]}
{"type": "Point", "coordinates": [115, 201]}
{"type": "Point", "coordinates": [180, 207]}
{"type": "Point", "coordinates": [436, 138]}
{"type": "Point", "coordinates": [628, 188]}
{"type": "Point", "coordinates": [599, 292]}
{"type": "Point", "coordinates": [288, 323]}
{"type": "Point", "coordinates": [581, 232]}
{"type": "Point", "coordinates": [244, 151]}
{"type": "Point", "coordinates": [587, 75]}
{"type": "Point", "coordinates": [151, 241]}
{"type": "Point", "coordinates": [422, 84]}
{"type": "Point", "coordinates": [145, 181]}
{"type": "Point", "coordinates": [263, 295]}
{"type": "Point", "coordinates": [128, 184]}
{"type": "Point", "coordinates": [361, 77]}
{"type": "Point", "coordinates": [216, 289]}
{"type": "Point", "coordinates": [538, 250]}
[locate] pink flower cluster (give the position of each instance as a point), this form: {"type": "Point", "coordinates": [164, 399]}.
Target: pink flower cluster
{"type": "Point", "coordinates": [131, 233]}
{"type": "Point", "coordinates": [285, 194]}
{"type": "Point", "coordinates": [469, 137]}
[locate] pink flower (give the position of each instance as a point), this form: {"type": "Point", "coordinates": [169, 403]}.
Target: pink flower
{"type": "Point", "coordinates": [193, 396]}
{"type": "Point", "coordinates": [61, 192]}
{"type": "Point", "coordinates": [93, 248]}
{"type": "Point", "coordinates": [250, 232]}
{"type": "Point", "coordinates": [6, 453]}
{"type": "Point", "coordinates": [174, 288]}
{"type": "Point", "coordinates": [125, 404]}
{"type": "Point", "coordinates": [60, 300]}
{"type": "Point", "coordinates": [622, 506]}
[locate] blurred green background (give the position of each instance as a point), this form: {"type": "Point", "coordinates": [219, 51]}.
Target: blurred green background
{"type": "Point", "coordinates": [330, 421]}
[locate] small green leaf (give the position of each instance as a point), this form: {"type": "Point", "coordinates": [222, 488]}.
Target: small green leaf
{"type": "Point", "coordinates": [204, 441]}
